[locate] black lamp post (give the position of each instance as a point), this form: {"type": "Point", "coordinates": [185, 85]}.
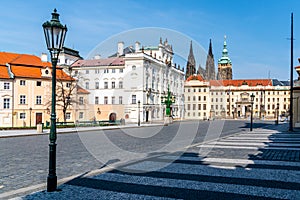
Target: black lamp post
{"type": "Point", "coordinates": [277, 113]}
{"type": "Point", "coordinates": [139, 121]}
{"type": "Point", "coordinates": [252, 100]}
{"type": "Point", "coordinates": [55, 34]}
{"type": "Point", "coordinates": [30, 110]}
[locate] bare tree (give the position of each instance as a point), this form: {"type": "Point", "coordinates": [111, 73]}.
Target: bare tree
{"type": "Point", "coordinates": [66, 89]}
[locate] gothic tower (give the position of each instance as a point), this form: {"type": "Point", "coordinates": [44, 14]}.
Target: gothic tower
{"type": "Point", "coordinates": [210, 64]}
{"type": "Point", "coordinates": [191, 63]}
{"type": "Point", "coordinates": [224, 64]}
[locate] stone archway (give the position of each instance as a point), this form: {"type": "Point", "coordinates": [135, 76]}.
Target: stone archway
{"type": "Point", "coordinates": [112, 117]}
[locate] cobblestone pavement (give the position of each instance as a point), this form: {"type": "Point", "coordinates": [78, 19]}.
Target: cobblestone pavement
{"type": "Point", "coordinates": [263, 164]}
{"type": "Point", "coordinates": [24, 160]}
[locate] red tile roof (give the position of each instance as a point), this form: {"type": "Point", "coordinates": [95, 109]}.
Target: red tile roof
{"type": "Point", "coordinates": [80, 90]}
{"type": "Point", "coordinates": [249, 82]}
{"type": "Point", "coordinates": [195, 77]}
{"type": "Point", "coordinates": [114, 61]}
{"type": "Point", "coordinates": [3, 72]}
{"type": "Point", "coordinates": [27, 66]}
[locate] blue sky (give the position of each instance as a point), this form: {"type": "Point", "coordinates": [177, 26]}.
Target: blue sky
{"type": "Point", "coordinates": [257, 30]}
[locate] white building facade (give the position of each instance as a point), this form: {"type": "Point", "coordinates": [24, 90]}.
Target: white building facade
{"type": "Point", "coordinates": [130, 85]}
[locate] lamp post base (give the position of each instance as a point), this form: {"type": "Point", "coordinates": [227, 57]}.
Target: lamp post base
{"type": "Point", "coordinates": [168, 120]}
{"type": "Point", "coordinates": [51, 183]}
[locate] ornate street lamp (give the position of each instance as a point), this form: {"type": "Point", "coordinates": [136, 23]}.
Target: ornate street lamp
{"type": "Point", "coordinates": [252, 99]}
{"type": "Point", "coordinates": [55, 34]}
{"type": "Point", "coordinates": [139, 121]}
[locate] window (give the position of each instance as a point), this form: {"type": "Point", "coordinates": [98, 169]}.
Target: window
{"type": "Point", "coordinates": [6, 103]}
{"type": "Point", "coordinates": [133, 67]}
{"type": "Point", "coordinates": [97, 71]}
{"type": "Point", "coordinates": [6, 86]}
{"type": "Point", "coordinates": [189, 90]}
{"type": "Point", "coordinates": [199, 90]}
{"type": "Point", "coordinates": [113, 84]}
{"type": "Point", "coordinates": [80, 100]}
{"type": "Point", "coordinates": [106, 71]}
{"type": "Point", "coordinates": [22, 99]}
{"type": "Point", "coordinates": [189, 107]}
{"type": "Point", "coordinates": [38, 100]}
{"type": "Point", "coordinates": [80, 115]}
{"type": "Point", "coordinates": [199, 98]}
{"type": "Point", "coordinates": [22, 82]}
{"type": "Point", "coordinates": [113, 100]}
{"type": "Point", "coordinates": [199, 106]}
{"type": "Point", "coordinates": [121, 70]}
{"type": "Point", "coordinates": [133, 99]}
{"type": "Point", "coordinates": [87, 71]}
{"type": "Point", "coordinates": [194, 106]}
{"type": "Point", "coordinates": [212, 99]}
{"type": "Point", "coordinates": [121, 84]}
{"type": "Point", "coordinates": [189, 98]}
{"type": "Point", "coordinates": [194, 90]}
{"type": "Point", "coordinates": [204, 90]}
{"type": "Point", "coordinates": [113, 71]}
{"type": "Point", "coordinates": [105, 100]}
{"type": "Point", "coordinates": [22, 115]}
{"type": "Point", "coordinates": [38, 83]}
{"type": "Point", "coordinates": [204, 98]}
{"type": "Point", "coordinates": [105, 85]}
{"type": "Point", "coordinates": [68, 85]}
{"type": "Point", "coordinates": [96, 85]}
{"type": "Point", "coordinates": [87, 85]}
{"type": "Point", "coordinates": [96, 100]}
{"type": "Point", "coordinates": [120, 100]}
{"type": "Point", "coordinates": [204, 107]}
{"type": "Point", "coordinates": [194, 98]}
{"type": "Point", "coordinates": [68, 115]}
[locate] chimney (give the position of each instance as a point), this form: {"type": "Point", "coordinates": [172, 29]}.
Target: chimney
{"type": "Point", "coordinates": [120, 48]}
{"type": "Point", "coordinates": [44, 57]}
{"type": "Point", "coordinates": [137, 46]}
{"type": "Point", "coordinates": [98, 56]}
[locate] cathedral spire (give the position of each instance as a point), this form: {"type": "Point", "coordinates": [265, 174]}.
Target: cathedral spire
{"type": "Point", "coordinates": [210, 49]}
{"type": "Point", "coordinates": [224, 59]}
{"type": "Point", "coordinates": [191, 63]}
{"type": "Point", "coordinates": [210, 64]}
{"type": "Point", "coordinates": [224, 64]}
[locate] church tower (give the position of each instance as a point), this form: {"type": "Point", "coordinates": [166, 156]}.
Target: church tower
{"type": "Point", "coordinates": [224, 64]}
{"type": "Point", "coordinates": [191, 63]}
{"type": "Point", "coordinates": [210, 64]}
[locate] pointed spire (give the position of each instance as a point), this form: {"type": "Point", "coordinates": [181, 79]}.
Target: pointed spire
{"type": "Point", "coordinates": [225, 51]}
{"type": "Point", "coordinates": [191, 63]}
{"type": "Point", "coordinates": [210, 73]}
{"type": "Point", "coordinates": [224, 59]}
{"type": "Point", "coordinates": [210, 49]}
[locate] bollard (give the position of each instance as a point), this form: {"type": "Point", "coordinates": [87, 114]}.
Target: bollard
{"type": "Point", "coordinates": [39, 128]}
